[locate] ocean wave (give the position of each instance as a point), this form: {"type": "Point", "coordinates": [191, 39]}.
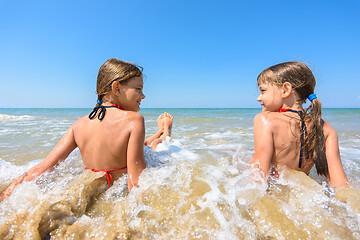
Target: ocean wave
{"type": "Point", "coordinates": [15, 117]}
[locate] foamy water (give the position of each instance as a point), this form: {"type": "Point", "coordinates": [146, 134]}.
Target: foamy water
{"type": "Point", "coordinates": [196, 185]}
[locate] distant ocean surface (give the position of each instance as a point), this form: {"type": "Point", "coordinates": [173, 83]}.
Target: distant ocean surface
{"type": "Point", "coordinates": [196, 185]}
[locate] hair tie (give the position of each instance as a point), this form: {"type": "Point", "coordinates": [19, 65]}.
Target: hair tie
{"type": "Point", "coordinates": [98, 102]}
{"type": "Point", "coordinates": [312, 97]}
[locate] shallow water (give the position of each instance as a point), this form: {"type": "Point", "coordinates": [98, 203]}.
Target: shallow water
{"type": "Point", "coordinates": [196, 185]}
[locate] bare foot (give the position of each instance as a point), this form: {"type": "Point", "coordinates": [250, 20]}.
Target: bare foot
{"type": "Point", "coordinates": [160, 122]}
{"type": "Point", "coordinates": [168, 120]}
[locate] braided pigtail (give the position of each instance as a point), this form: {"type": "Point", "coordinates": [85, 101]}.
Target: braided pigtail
{"type": "Point", "coordinates": [315, 142]}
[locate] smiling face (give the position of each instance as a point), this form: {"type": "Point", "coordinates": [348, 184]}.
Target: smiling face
{"type": "Point", "coordinates": [270, 97]}
{"type": "Point", "coordinates": [130, 94]}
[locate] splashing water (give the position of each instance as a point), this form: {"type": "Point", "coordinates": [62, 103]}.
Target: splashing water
{"type": "Point", "coordinates": [197, 186]}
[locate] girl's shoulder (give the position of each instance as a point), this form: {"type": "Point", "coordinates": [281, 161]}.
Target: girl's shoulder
{"type": "Point", "coordinates": [134, 115]}
{"type": "Point", "coordinates": [80, 121]}
{"type": "Point", "coordinates": [271, 121]}
{"type": "Point", "coordinates": [328, 129]}
{"type": "Point", "coordinates": [135, 119]}
{"type": "Point", "coordinates": [267, 116]}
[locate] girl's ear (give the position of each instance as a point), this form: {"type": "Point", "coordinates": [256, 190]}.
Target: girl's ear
{"type": "Point", "coordinates": [286, 89]}
{"type": "Point", "coordinates": [115, 87]}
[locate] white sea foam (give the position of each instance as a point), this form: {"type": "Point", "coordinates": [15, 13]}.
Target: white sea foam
{"type": "Point", "coordinates": [225, 146]}
{"type": "Point", "coordinates": [15, 117]}
{"type": "Point", "coordinates": [198, 184]}
{"type": "Point", "coordinates": [9, 131]}
{"type": "Point", "coordinates": [9, 171]}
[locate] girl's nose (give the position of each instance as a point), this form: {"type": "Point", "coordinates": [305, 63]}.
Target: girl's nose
{"type": "Point", "coordinates": [143, 96]}
{"type": "Point", "coordinates": [259, 98]}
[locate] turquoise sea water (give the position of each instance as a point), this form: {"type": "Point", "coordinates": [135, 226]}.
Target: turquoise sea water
{"type": "Point", "coordinates": [202, 169]}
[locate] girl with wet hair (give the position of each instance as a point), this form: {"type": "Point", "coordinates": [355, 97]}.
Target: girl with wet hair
{"type": "Point", "coordinates": [111, 137]}
{"type": "Point", "coordinates": [285, 134]}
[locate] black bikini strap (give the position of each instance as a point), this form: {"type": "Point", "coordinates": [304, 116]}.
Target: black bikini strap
{"type": "Point", "coordinates": [102, 112]}
{"type": "Point", "coordinates": [303, 136]}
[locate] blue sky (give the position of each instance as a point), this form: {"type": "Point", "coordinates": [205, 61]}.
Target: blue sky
{"type": "Point", "coordinates": [194, 53]}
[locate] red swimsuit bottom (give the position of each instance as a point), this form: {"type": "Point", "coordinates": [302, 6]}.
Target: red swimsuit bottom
{"type": "Point", "coordinates": [108, 175]}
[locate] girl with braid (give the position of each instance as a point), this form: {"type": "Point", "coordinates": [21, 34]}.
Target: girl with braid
{"type": "Point", "coordinates": [111, 137]}
{"type": "Point", "coordinates": [287, 135]}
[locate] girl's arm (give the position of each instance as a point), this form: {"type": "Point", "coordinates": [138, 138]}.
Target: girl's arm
{"type": "Point", "coordinates": [263, 143]}
{"type": "Point", "coordinates": [135, 151]}
{"type": "Point", "coordinates": [336, 172]}
{"type": "Point", "coordinates": [60, 152]}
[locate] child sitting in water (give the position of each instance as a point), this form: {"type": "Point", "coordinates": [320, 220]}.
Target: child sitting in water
{"type": "Point", "coordinates": [111, 137]}
{"type": "Point", "coordinates": [287, 135]}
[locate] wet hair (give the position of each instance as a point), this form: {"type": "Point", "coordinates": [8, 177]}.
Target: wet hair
{"type": "Point", "coordinates": [303, 82]}
{"type": "Point", "coordinates": [115, 70]}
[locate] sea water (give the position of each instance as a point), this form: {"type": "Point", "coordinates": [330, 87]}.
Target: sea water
{"type": "Point", "coordinates": [197, 184]}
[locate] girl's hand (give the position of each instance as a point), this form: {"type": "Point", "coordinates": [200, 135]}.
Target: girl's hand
{"type": "Point", "coordinates": [8, 191]}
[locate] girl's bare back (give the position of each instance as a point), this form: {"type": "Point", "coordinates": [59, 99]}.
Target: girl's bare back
{"type": "Point", "coordinates": [285, 131]}
{"type": "Point", "coordinates": [103, 144]}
